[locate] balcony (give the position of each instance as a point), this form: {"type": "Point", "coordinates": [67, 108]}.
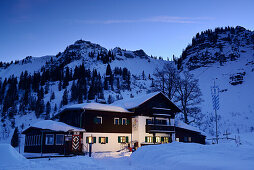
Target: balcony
{"type": "Point", "coordinates": [158, 128]}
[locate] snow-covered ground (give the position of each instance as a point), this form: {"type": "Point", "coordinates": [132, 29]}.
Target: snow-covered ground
{"type": "Point", "coordinates": [176, 156]}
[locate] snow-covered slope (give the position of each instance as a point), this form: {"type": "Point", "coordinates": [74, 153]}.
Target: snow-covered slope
{"type": "Point", "coordinates": [234, 76]}
{"type": "Point", "coordinates": [224, 55]}
{"type": "Point", "coordinates": [92, 56]}
{"type": "Point", "coordinates": [30, 64]}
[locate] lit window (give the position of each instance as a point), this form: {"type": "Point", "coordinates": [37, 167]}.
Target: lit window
{"type": "Point", "coordinates": [177, 139]}
{"type": "Point", "coordinates": [90, 139]}
{"type": "Point", "coordinates": [124, 121]}
{"type": "Point", "coordinates": [189, 139]}
{"type": "Point", "coordinates": [98, 120]}
{"type": "Point", "coordinates": [123, 139]}
{"type": "Point", "coordinates": [103, 140]}
{"type": "Point", "coordinates": [164, 139]}
{"type": "Point", "coordinates": [149, 139]}
{"type": "Point", "coordinates": [59, 139]}
{"type": "Point", "coordinates": [116, 121]}
{"type": "Point", "coordinates": [49, 139]}
{"type": "Point", "coordinates": [158, 139]}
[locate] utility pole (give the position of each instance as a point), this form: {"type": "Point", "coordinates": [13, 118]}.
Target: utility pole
{"type": "Point", "coordinates": [216, 106]}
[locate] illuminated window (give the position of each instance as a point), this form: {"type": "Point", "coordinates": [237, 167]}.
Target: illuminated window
{"type": "Point", "coordinates": [103, 140]}
{"type": "Point", "coordinates": [49, 139]}
{"type": "Point", "coordinates": [123, 139]}
{"type": "Point", "coordinates": [158, 139]}
{"type": "Point", "coordinates": [164, 139]}
{"type": "Point", "coordinates": [189, 139]}
{"type": "Point", "coordinates": [116, 121]}
{"type": "Point", "coordinates": [177, 139]}
{"type": "Point", "coordinates": [90, 139]}
{"type": "Point", "coordinates": [149, 139]}
{"type": "Point", "coordinates": [59, 139]}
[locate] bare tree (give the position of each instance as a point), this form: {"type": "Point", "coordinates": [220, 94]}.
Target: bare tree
{"type": "Point", "coordinates": [189, 95]}
{"type": "Point", "coordinates": [166, 79]}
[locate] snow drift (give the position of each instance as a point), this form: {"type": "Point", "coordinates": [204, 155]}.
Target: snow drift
{"type": "Point", "coordinates": [183, 156]}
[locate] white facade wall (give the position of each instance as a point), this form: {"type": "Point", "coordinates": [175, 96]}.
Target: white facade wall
{"type": "Point", "coordinates": [112, 144]}
{"type": "Point", "coordinates": [139, 130]}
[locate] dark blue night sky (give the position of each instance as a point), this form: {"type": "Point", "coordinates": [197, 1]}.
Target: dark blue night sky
{"type": "Point", "coordinates": [161, 28]}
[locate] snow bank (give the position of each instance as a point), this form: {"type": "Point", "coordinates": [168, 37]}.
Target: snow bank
{"type": "Point", "coordinates": [55, 126]}
{"type": "Point", "coordinates": [98, 106]}
{"type": "Point", "coordinates": [10, 157]}
{"type": "Point", "coordinates": [182, 156]}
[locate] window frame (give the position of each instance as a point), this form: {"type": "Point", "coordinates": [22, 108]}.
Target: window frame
{"type": "Point", "coordinates": [116, 118]}
{"type": "Point", "coordinates": [103, 138]}
{"type": "Point", "coordinates": [125, 121]}
{"type": "Point", "coordinates": [46, 143]}
{"type": "Point", "coordinates": [123, 139]}
{"type": "Point", "coordinates": [157, 139]}
{"type": "Point", "coordinates": [62, 141]}
{"type": "Point", "coordinates": [97, 122]}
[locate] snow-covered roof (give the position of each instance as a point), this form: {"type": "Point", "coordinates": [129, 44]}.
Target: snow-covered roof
{"type": "Point", "coordinates": [54, 126]}
{"type": "Point", "coordinates": [134, 102]}
{"type": "Point", "coordinates": [183, 125]}
{"type": "Point", "coordinates": [98, 106]}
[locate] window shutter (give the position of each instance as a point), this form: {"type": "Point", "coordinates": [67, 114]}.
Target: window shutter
{"type": "Point", "coordinates": [94, 139]}
{"type": "Point", "coordinates": [127, 139]}
{"type": "Point", "coordinates": [106, 139]}
{"type": "Point", "coordinates": [87, 140]}
{"type": "Point", "coordinates": [120, 121]}
{"type": "Point", "coordinates": [154, 139]}
{"type": "Point", "coordinates": [128, 121]}
{"type": "Point", "coordinates": [119, 139]}
{"type": "Point", "coordinates": [162, 139]}
{"type": "Point", "coordinates": [146, 139]}
{"type": "Point", "coordinates": [99, 139]}
{"type": "Point", "coordinates": [95, 120]}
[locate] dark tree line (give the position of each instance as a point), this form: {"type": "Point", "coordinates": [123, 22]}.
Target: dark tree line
{"type": "Point", "coordinates": [28, 90]}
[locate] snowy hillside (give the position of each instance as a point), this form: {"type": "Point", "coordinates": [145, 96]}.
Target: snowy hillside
{"type": "Point", "coordinates": [34, 87]}
{"type": "Point", "coordinates": [228, 59]}
{"type": "Point", "coordinates": [85, 72]}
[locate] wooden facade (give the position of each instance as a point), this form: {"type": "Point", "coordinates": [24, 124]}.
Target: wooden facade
{"type": "Point", "coordinates": [86, 119]}
{"type": "Point", "coordinates": [189, 136]}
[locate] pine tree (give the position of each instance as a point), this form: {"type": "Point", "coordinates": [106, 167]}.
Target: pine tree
{"type": "Point", "coordinates": [74, 94]}
{"type": "Point", "coordinates": [48, 109]}
{"type": "Point", "coordinates": [55, 108]}
{"type": "Point", "coordinates": [65, 97]}
{"type": "Point", "coordinates": [60, 85]}
{"type": "Point", "coordinates": [47, 88]}
{"type": "Point", "coordinates": [143, 75]}
{"type": "Point", "coordinates": [39, 107]}
{"type": "Point", "coordinates": [110, 99]}
{"type": "Point", "coordinates": [15, 138]}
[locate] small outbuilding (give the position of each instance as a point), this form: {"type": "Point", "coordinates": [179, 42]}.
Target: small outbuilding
{"type": "Point", "coordinates": [189, 134]}
{"type": "Point", "coordinates": [48, 136]}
